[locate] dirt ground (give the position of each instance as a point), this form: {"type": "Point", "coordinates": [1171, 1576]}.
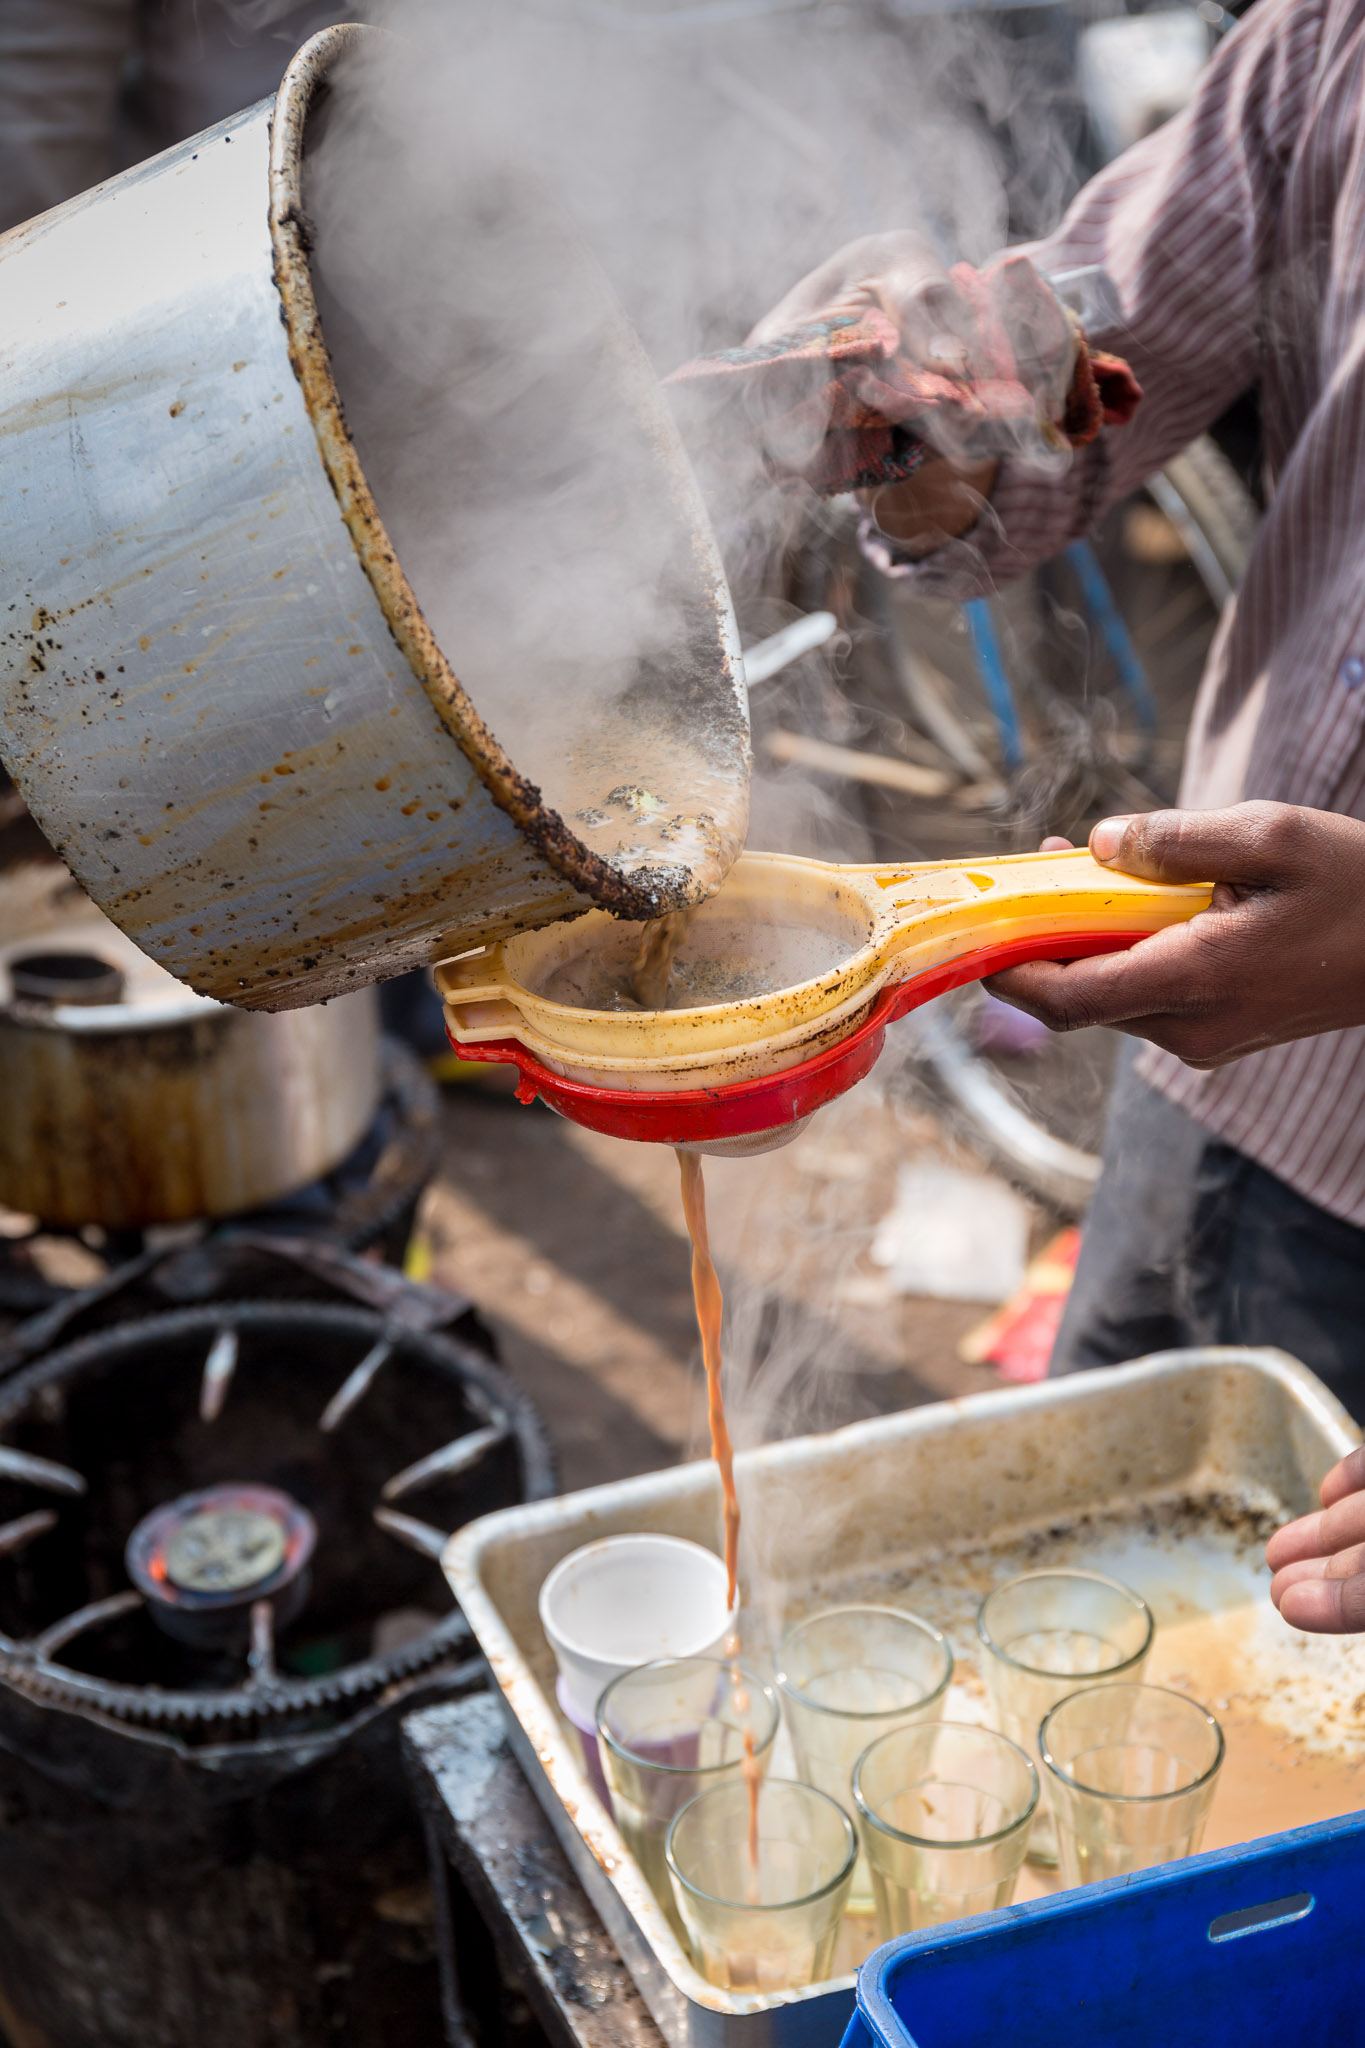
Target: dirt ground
{"type": "Point", "coordinates": [574, 1248]}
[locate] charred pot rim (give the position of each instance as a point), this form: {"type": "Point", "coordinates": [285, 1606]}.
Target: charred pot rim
{"type": "Point", "coordinates": [278, 1703]}
{"type": "Point", "coordinates": [651, 890]}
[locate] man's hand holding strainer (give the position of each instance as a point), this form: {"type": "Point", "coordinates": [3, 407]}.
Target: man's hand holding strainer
{"type": "Point", "coordinates": [1278, 955]}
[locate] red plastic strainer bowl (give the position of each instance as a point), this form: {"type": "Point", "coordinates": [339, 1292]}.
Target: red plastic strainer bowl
{"type": "Point", "coordinates": [773, 1105]}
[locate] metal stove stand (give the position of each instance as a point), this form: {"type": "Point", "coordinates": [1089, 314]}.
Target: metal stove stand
{"type": "Point", "coordinates": [535, 1964]}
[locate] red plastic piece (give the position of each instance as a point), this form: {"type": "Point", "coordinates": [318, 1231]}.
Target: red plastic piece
{"type": "Point", "coordinates": [736, 1108]}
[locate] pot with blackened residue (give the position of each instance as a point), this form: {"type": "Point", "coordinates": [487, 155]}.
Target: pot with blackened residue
{"type": "Point", "coordinates": [219, 693]}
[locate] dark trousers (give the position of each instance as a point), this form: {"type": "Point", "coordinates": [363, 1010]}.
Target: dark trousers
{"type": "Point", "coordinates": [1190, 1242]}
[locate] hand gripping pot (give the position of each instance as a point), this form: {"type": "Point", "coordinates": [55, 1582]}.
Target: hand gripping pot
{"type": "Point", "coordinates": [831, 955]}
{"type": "Point", "coordinates": [227, 697]}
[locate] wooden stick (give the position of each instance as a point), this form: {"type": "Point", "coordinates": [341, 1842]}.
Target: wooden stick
{"type": "Point", "coordinates": [798, 750]}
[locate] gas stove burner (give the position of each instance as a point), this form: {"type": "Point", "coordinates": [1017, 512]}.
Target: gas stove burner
{"type": "Point", "coordinates": [234, 1617]}
{"type": "Point", "coordinates": [221, 1548]}
{"type": "Point", "coordinates": [205, 1560]}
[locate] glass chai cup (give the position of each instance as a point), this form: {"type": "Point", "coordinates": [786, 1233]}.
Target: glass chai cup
{"type": "Point", "coordinates": [670, 1730]}
{"type": "Point", "coordinates": [1044, 1635]}
{"type": "Point", "coordinates": [846, 1676]}
{"type": "Point", "coordinates": [766, 1921]}
{"type": "Point", "coordinates": [944, 1811]}
{"type": "Point", "coordinates": [1132, 1771]}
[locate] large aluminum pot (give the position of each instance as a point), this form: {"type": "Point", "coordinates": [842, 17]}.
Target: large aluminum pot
{"type": "Point", "coordinates": [219, 695]}
{"type": "Point", "coordinates": [127, 1100]}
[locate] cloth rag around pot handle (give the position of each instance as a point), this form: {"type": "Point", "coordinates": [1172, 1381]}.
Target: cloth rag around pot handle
{"type": "Point", "coordinates": [837, 402]}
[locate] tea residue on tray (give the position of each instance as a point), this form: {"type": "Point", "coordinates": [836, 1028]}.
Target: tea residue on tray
{"type": "Point", "coordinates": [1287, 1703]}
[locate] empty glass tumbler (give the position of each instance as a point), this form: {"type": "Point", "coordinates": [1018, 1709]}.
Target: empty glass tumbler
{"type": "Point", "coordinates": [847, 1676]}
{"type": "Point", "coordinates": [670, 1730]}
{"type": "Point", "coordinates": [1132, 1771]}
{"type": "Point", "coordinates": [944, 1811]}
{"type": "Point", "coordinates": [762, 1913]}
{"type": "Point", "coordinates": [1046, 1633]}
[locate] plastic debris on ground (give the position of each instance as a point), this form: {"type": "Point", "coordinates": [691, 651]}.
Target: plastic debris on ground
{"type": "Point", "coordinates": [1018, 1339]}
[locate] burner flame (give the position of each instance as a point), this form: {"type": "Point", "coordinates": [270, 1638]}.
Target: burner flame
{"type": "Point", "coordinates": [208, 1558]}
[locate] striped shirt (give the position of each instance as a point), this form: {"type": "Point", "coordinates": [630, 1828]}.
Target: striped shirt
{"type": "Point", "coordinates": [1236, 238]}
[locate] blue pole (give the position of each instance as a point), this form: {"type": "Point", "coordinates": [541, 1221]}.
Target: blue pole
{"type": "Point", "coordinates": [1098, 599]}
{"type": "Point", "coordinates": [990, 663]}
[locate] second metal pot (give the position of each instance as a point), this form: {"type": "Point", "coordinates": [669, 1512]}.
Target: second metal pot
{"type": "Point", "coordinates": [126, 1100]}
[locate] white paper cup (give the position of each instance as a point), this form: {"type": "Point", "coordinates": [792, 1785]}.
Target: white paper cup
{"type": "Point", "coordinates": [626, 1600]}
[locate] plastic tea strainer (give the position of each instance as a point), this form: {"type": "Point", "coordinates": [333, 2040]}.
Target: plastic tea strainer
{"type": "Point", "coordinates": [791, 974]}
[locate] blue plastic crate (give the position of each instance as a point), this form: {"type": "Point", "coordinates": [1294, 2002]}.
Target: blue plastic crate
{"type": "Point", "coordinates": [1256, 1947]}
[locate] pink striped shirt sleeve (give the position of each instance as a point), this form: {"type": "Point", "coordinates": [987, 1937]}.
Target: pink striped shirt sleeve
{"type": "Point", "coordinates": [1236, 238]}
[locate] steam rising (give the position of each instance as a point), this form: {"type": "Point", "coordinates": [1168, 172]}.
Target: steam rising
{"type": "Point", "coordinates": [709, 154]}
{"type": "Point", "coordinates": [522, 464]}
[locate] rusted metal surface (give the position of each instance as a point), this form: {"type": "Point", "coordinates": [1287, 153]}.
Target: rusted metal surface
{"type": "Point", "coordinates": [217, 694]}
{"type": "Point", "coordinates": [1168, 1472]}
{"type": "Point", "coordinates": [163, 1106]}
{"type": "Point", "coordinates": [485, 1821]}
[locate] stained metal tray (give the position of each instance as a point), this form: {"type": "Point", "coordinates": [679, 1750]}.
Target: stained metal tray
{"type": "Point", "coordinates": [1168, 1473]}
